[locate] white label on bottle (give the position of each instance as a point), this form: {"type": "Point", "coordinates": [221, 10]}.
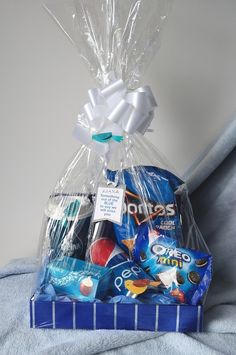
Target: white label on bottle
{"type": "Point", "coordinates": [109, 204]}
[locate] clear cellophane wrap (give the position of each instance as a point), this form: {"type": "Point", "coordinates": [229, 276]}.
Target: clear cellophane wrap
{"type": "Point", "coordinates": [155, 253]}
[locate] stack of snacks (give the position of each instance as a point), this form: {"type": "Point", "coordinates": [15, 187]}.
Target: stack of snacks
{"type": "Point", "coordinates": [119, 247]}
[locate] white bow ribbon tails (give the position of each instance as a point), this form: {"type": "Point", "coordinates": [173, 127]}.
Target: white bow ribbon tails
{"type": "Point", "coordinates": [115, 110]}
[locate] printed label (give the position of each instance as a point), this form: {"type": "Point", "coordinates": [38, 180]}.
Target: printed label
{"type": "Point", "coordinates": [109, 204]}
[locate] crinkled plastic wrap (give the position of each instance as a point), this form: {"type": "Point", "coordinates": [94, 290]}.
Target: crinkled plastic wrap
{"type": "Point", "coordinates": [154, 253]}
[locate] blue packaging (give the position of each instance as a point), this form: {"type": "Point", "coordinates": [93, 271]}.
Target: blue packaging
{"type": "Point", "coordinates": [128, 278]}
{"type": "Point", "coordinates": [67, 225]}
{"type": "Point", "coordinates": [185, 274]}
{"type": "Point", "coordinates": [157, 204]}
{"type": "Point", "coordinates": [144, 241]}
{"type": "Point", "coordinates": [78, 279]}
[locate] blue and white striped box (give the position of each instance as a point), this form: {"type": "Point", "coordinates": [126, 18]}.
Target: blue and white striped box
{"type": "Point", "coordinates": [81, 315]}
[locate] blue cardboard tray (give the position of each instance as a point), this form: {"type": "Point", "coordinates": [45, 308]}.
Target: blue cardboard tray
{"type": "Point", "coordinates": [82, 315]}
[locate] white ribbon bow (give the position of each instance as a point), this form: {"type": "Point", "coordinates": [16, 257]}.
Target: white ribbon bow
{"type": "Point", "coordinates": [117, 110]}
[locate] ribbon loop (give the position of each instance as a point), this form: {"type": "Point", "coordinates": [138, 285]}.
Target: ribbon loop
{"type": "Point", "coordinates": [114, 110]}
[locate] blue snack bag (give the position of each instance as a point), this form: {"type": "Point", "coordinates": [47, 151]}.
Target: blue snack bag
{"type": "Point", "coordinates": [185, 273]}
{"type": "Point", "coordinates": [144, 241]}
{"type": "Point", "coordinates": [151, 197]}
{"type": "Point", "coordinates": [77, 279]}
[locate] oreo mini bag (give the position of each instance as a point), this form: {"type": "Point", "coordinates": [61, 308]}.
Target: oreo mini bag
{"type": "Point", "coordinates": [184, 273]}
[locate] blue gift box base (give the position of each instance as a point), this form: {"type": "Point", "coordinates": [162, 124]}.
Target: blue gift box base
{"type": "Point", "coordinates": [81, 315]}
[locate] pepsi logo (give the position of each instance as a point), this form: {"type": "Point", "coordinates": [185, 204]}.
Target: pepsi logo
{"type": "Point", "coordinates": [103, 250]}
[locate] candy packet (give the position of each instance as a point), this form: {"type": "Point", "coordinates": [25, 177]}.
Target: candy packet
{"type": "Point", "coordinates": [118, 226]}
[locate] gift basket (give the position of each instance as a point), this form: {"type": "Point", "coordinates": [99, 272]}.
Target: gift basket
{"type": "Point", "coordinates": [119, 247]}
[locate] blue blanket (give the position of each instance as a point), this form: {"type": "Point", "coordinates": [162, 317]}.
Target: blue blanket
{"type": "Point", "coordinates": [214, 205]}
